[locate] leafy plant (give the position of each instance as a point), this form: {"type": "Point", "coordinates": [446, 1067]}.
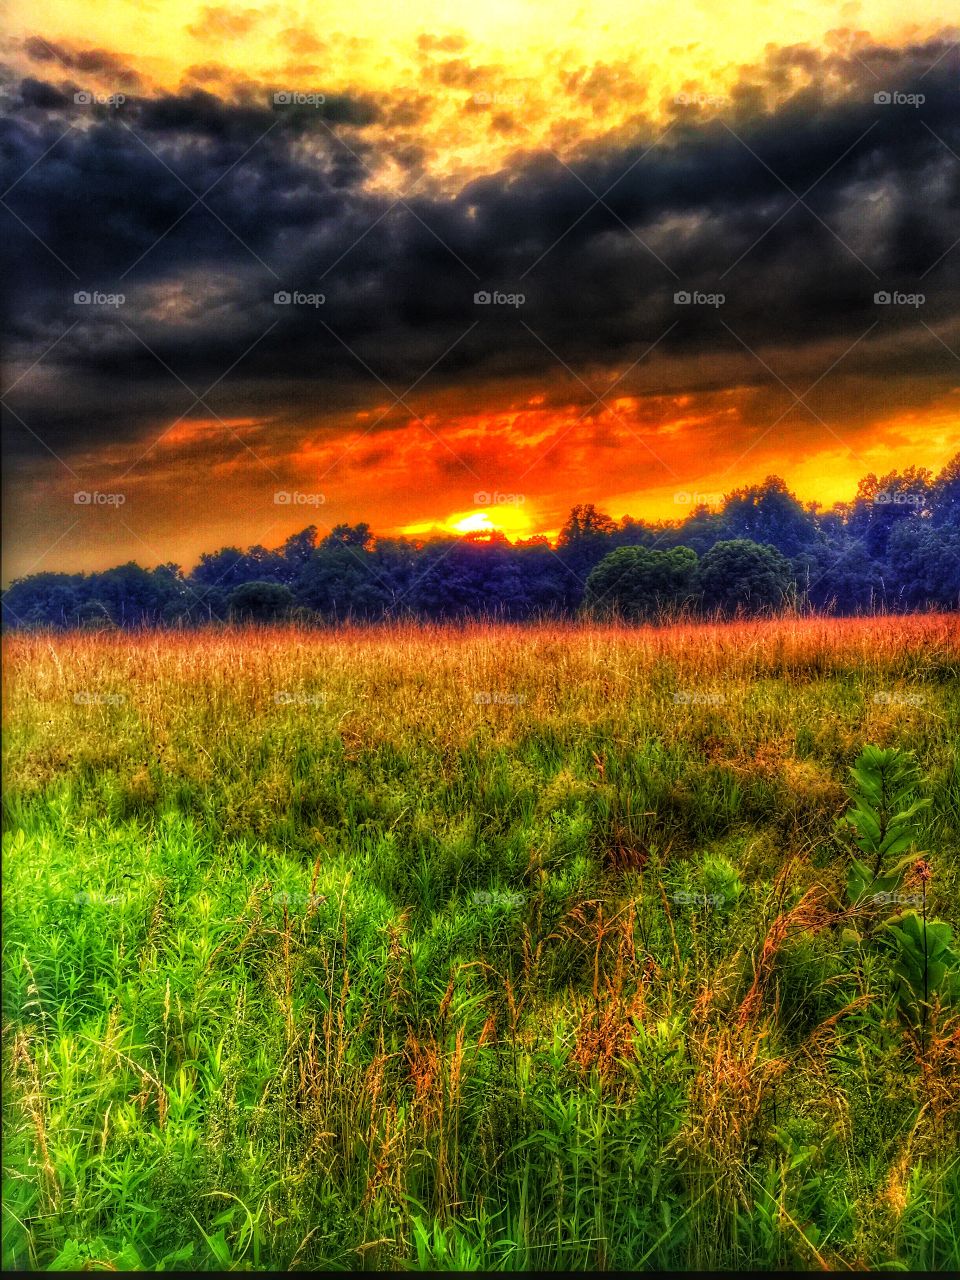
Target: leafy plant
{"type": "Point", "coordinates": [882, 819]}
{"type": "Point", "coordinates": [926, 965]}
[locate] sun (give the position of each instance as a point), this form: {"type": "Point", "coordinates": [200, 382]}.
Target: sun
{"type": "Point", "coordinates": [511, 520]}
{"type": "Point", "coordinates": [476, 522]}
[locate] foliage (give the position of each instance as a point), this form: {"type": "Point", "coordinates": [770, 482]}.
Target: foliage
{"type": "Point", "coordinates": [260, 601]}
{"type": "Point", "coordinates": [895, 548]}
{"type": "Point", "coordinates": [637, 583]}
{"type": "Point", "coordinates": [883, 818]}
{"type": "Point", "coordinates": [739, 575]}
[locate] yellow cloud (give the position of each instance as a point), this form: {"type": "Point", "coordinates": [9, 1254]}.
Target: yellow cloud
{"type": "Point", "coordinates": [493, 78]}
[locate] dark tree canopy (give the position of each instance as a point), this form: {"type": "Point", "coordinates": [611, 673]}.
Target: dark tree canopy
{"type": "Point", "coordinates": [895, 546]}
{"type": "Point", "coordinates": [636, 582]}
{"type": "Point", "coordinates": [744, 576]}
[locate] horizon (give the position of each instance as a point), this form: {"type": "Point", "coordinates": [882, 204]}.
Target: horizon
{"type": "Point", "coordinates": [472, 529]}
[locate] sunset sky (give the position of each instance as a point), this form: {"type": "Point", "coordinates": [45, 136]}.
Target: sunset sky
{"type": "Point", "coordinates": [587, 162]}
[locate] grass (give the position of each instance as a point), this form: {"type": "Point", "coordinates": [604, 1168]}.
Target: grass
{"type": "Point", "coordinates": [469, 948]}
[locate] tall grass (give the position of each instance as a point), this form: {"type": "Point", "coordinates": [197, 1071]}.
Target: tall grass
{"type": "Point", "coordinates": [468, 948]}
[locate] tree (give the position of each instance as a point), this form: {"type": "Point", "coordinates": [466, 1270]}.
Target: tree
{"type": "Point", "coordinates": [701, 529]}
{"type": "Point", "coordinates": [339, 582]}
{"type": "Point", "coordinates": [467, 577]}
{"type": "Point", "coordinates": [297, 550]}
{"type": "Point", "coordinates": [350, 535]}
{"type": "Point", "coordinates": [636, 582]}
{"type": "Point", "coordinates": [769, 513]}
{"type": "Point", "coordinates": [925, 565]}
{"type": "Point", "coordinates": [226, 568]}
{"type": "Point", "coordinates": [839, 576]}
{"type": "Point", "coordinates": [45, 600]}
{"type": "Point", "coordinates": [739, 575]}
{"type": "Point", "coordinates": [135, 597]}
{"type": "Point", "coordinates": [945, 495]}
{"type": "Point", "coordinates": [260, 601]}
{"type": "Point", "coordinates": [586, 522]}
{"type": "Point", "coordinates": [882, 503]}
{"type": "Point", "coordinates": [584, 540]}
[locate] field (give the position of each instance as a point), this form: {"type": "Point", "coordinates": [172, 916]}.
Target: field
{"type": "Point", "coordinates": [477, 947]}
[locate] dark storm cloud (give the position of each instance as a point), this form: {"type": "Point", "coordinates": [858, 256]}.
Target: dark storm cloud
{"type": "Point", "coordinates": [96, 62]}
{"type": "Point", "coordinates": [288, 204]}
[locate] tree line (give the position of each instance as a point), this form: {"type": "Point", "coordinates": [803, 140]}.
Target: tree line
{"type": "Point", "coordinates": [895, 547]}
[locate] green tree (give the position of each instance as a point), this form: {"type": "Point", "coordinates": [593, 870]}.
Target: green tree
{"type": "Point", "coordinates": [260, 601]}
{"type": "Point", "coordinates": [637, 582]}
{"type": "Point", "coordinates": [744, 576]}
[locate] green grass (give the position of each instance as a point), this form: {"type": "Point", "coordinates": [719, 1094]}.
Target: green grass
{"type": "Point", "coordinates": [372, 975]}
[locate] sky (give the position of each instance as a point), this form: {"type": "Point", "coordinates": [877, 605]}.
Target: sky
{"type": "Point", "coordinates": [461, 266]}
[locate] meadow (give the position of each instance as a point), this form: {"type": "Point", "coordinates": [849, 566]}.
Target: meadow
{"type": "Point", "coordinates": [479, 947]}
